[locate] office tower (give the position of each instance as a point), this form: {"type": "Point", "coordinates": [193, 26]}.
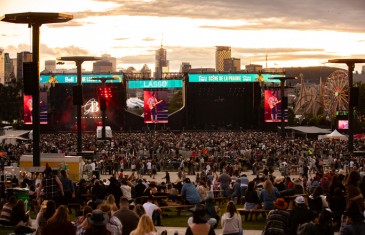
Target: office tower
{"type": "Point", "coordinates": [221, 53]}
{"type": "Point", "coordinates": [50, 65]}
{"type": "Point", "coordinates": [185, 67]}
{"type": "Point", "coordinates": [232, 65]}
{"type": "Point", "coordinates": [102, 66]}
{"type": "Point", "coordinates": [2, 66]}
{"type": "Point", "coordinates": [161, 63]}
{"type": "Point", "coordinates": [146, 72]}
{"type": "Point", "coordinates": [9, 68]}
{"type": "Point", "coordinates": [113, 60]}
{"type": "Point", "coordinates": [254, 68]}
{"type": "Point", "coordinates": [107, 64]}
{"type": "Point", "coordinates": [24, 56]}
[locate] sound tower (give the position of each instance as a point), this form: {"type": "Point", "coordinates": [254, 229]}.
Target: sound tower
{"type": "Point", "coordinates": [30, 78]}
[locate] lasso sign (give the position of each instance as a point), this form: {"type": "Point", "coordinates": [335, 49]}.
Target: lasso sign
{"type": "Point", "coordinates": [153, 84]}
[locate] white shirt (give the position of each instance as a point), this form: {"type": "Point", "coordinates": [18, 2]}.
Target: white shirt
{"type": "Point", "coordinates": [149, 165]}
{"type": "Point", "coordinates": [149, 208]}
{"type": "Point", "coordinates": [126, 191]}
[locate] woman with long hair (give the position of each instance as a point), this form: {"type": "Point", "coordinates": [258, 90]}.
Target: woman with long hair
{"type": "Point", "coordinates": [19, 216]}
{"type": "Point", "coordinates": [110, 200]}
{"type": "Point", "coordinates": [48, 208]}
{"type": "Point", "coordinates": [59, 224]}
{"type": "Point", "coordinates": [353, 191]}
{"type": "Point", "coordinates": [268, 195]}
{"type": "Point", "coordinates": [231, 220]}
{"type": "Point", "coordinates": [145, 226]}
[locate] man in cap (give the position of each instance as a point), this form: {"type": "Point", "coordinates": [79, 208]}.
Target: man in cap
{"type": "Point", "coordinates": [299, 215]}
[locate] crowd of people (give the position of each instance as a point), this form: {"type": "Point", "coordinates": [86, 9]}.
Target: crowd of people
{"type": "Point", "coordinates": [329, 185]}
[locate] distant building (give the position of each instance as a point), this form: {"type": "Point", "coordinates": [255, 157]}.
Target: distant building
{"type": "Point", "coordinates": [202, 70]}
{"type": "Point", "coordinates": [221, 53]}
{"type": "Point", "coordinates": [232, 65]}
{"type": "Point", "coordinates": [253, 68]}
{"type": "Point", "coordinates": [102, 66]}
{"type": "Point", "coordinates": [113, 60]}
{"type": "Point", "coordinates": [50, 65]}
{"type": "Point", "coordinates": [2, 66]}
{"type": "Point", "coordinates": [161, 63]}
{"type": "Point", "coordinates": [146, 71]}
{"type": "Point", "coordinates": [185, 67]}
{"type": "Point", "coordinates": [363, 69]}
{"type": "Point", "coordinates": [9, 68]}
{"type": "Point", "coordinates": [24, 56]}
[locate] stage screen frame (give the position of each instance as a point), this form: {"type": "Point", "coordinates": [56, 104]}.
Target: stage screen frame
{"type": "Point", "coordinates": [272, 103]}
{"type": "Point", "coordinates": [343, 124]}
{"type": "Point", "coordinates": [28, 107]}
{"type": "Point", "coordinates": [222, 77]}
{"type": "Point", "coordinates": [153, 98]}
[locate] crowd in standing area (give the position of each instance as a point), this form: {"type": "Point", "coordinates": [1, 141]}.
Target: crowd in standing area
{"type": "Point", "coordinates": [330, 186]}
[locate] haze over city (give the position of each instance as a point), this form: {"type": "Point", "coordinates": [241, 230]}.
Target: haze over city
{"type": "Point", "coordinates": [289, 33]}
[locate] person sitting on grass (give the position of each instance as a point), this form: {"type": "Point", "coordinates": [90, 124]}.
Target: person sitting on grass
{"type": "Point", "coordinates": [6, 210]}
{"type": "Point", "coordinates": [199, 225]}
{"type": "Point", "coordinates": [231, 220]}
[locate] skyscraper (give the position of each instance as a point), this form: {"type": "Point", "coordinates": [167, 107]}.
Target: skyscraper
{"type": "Point", "coordinates": [146, 72]}
{"type": "Point", "coordinates": [107, 64]}
{"type": "Point", "coordinates": [24, 56]}
{"type": "Point", "coordinates": [221, 53]}
{"type": "Point", "coordinates": [2, 66]}
{"type": "Point", "coordinates": [161, 63]}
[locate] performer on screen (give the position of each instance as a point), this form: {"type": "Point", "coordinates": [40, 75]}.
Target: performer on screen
{"type": "Point", "coordinates": [152, 104]}
{"type": "Point", "coordinates": [273, 101]}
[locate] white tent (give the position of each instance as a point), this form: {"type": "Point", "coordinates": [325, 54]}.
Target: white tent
{"type": "Point", "coordinates": [335, 135]}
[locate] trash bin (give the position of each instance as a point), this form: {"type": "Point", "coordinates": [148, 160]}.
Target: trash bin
{"type": "Point", "coordinates": [22, 194]}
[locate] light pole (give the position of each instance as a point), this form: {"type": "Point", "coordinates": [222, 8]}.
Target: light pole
{"type": "Point", "coordinates": [282, 118]}
{"type": "Point", "coordinates": [102, 99]}
{"type": "Point", "coordinates": [351, 65]}
{"type": "Point", "coordinates": [35, 20]}
{"type": "Point", "coordinates": [79, 60]}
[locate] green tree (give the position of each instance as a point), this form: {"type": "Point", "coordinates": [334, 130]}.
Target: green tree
{"type": "Point", "coordinates": [176, 102]}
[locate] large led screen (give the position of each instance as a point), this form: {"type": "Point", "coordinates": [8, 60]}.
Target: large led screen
{"type": "Point", "coordinates": [343, 124]}
{"type": "Point", "coordinates": [28, 108]}
{"type": "Point", "coordinates": [65, 112]}
{"type": "Point", "coordinates": [155, 106]}
{"type": "Point", "coordinates": [272, 106]}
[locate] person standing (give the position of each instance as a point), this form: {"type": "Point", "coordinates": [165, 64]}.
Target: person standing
{"type": "Point", "coordinates": [224, 182]}
{"type": "Point", "coordinates": [152, 105]}
{"type": "Point", "coordinates": [52, 187]}
{"type": "Point", "coordinates": [128, 218]}
{"type": "Point", "coordinates": [68, 188]}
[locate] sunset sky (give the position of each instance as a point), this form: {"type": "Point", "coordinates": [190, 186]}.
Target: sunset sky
{"type": "Point", "coordinates": [290, 32]}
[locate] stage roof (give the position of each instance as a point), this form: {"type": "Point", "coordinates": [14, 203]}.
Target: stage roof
{"type": "Point", "coordinates": [310, 129]}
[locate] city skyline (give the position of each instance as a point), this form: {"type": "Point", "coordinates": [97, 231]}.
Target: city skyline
{"type": "Point", "coordinates": [289, 33]}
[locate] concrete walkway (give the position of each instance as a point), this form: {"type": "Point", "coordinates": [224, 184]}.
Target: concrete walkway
{"type": "Point", "coordinates": [181, 231]}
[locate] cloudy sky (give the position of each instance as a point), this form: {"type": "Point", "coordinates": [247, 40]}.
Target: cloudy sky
{"type": "Point", "coordinates": [289, 32]}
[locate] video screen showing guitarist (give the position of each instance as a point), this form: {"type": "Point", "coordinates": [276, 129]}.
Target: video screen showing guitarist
{"type": "Point", "coordinates": [152, 105]}
{"type": "Point", "coordinates": [273, 101]}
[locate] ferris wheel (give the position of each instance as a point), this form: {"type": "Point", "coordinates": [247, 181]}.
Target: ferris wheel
{"type": "Point", "coordinates": [335, 93]}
